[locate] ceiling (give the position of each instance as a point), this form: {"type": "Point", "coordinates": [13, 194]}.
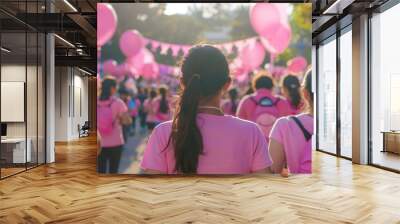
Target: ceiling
{"type": "Point", "coordinates": [330, 15]}
{"type": "Point", "coordinates": [74, 22]}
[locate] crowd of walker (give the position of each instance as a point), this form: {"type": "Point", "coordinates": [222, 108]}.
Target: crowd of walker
{"type": "Point", "coordinates": [209, 126]}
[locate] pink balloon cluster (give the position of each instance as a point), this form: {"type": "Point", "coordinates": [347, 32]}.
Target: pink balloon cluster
{"type": "Point", "coordinates": [139, 60]}
{"type": "Point", "coordinates": [131, 42]}
{"type": "Point", "coordinates": [297, 65]}
{"type": "Point", "coordinates": [144, 63]}
{"type": "Point", "coordinates": [106, 23]}
{"type": "Point", "coordinates": [239, 70]}
{"type": "Point", "coordinates": [270, 21]}
{"type": "Point", "coordinates": [252, 56]}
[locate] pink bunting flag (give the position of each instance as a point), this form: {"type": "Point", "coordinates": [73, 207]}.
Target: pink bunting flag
{"type": "Point", "coordinates": [175, 49]}
{"type": "Point", "coordinates": [164, 48]}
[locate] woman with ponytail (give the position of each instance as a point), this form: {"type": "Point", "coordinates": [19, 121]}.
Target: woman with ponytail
{"type": "Point", "coordinates": [110, 112]}
{"type": "Point", "coordinates": [201, 139]}
{"type": "Point", "coordinates": [163, 111]}
{"type": "Point", "coordinates": [290, 138]}
{"type": "Point", "coordinates": [291, 91]}
{"type": "Point", "coordinates": [151, 107]}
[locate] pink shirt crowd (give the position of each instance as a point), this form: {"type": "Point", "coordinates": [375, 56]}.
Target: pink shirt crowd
{"type": "Point", "coordinates": [235, 143]}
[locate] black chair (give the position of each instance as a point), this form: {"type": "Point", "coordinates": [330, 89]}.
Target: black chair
{"type": "Point", "coordinates": [84, 130]}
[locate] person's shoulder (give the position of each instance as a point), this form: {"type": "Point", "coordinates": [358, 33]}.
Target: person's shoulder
{"type": "Point", "coordinates": [241, 123]}
{"type": "Point", "coordinates": [305, 117]}
{"type": "Point", "coordinates": [164, 126]}
{"type": "Point", "coordinates": [283, 121]}
{"type": "Point", "coordinates": [162, 131]}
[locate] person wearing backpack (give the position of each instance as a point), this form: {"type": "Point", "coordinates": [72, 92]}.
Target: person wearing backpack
{"type": "Point", "coordinates": [163, 105]}
{"type": "Point", "coordinates": [263, 107]}
{"type": "Point", "coordinates": [150, 108]}
{"type": "Point", "coordinates": [110, 118]}
{"type": "Point", "coordinates": [290, 138]}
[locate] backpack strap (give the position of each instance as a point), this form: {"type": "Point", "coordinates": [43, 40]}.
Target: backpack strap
{"type": "Point", "coordinates": [306, 133]}
{"type": "Point", "coordinates": [257, 102]}
{"type": "Point", "coordinates": [254, 100]}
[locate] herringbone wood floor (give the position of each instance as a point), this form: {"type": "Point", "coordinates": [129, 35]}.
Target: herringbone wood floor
{"type": "Point", "coordinates": [70, 191]}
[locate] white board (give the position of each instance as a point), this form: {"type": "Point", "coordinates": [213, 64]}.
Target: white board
{"type": "Point", "coordinates": [12, 101]}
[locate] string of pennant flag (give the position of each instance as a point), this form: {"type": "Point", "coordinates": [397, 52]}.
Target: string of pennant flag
{"type": "Point", "coordinates": [176, 48]}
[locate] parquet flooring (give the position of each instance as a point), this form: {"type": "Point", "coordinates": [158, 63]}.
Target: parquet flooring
{"type": "Point", "coordinates": [70, 191]}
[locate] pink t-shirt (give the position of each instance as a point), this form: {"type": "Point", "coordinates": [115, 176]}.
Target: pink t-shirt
{"type": "Point", "coordinates": [231, 146]}
{"type": "Point", "coordinates": [247, 106]}
{"type": "Point", "coordinates": [152, 106]}
{"type": "Point", "coordinates": [115, 138]}
{"type": "Point", "coordinates": [297, 149]}
{"type": "Point", "coordinates": [227, 107]}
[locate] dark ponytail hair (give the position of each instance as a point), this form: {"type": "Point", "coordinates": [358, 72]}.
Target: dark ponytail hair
{"type": "Point", "coordinates": [233, 94]}
{"type": "Point", "coordinates": [107, 84]}
{"type": "Point", "coordinates": [153, 94]}
{"type": "Point", "coordinates": [292, 84]}
{"type": "Point", "coordinates": [163, 103]}
{"type": "Point", "coordinates": [204, 72]}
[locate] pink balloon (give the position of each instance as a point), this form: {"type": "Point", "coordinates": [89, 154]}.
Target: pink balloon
{"type": "Point", "coordinates": [278, 38]}
{"type": "Point", "coordinates": [143, 57]}
{"type": "Point", "coordinates": [150, 70]}
{"type": "Point", "coordinates": [264, 15]}
{"type": "Point", "coordinates": [297, 65]}
{"type": "Point", "coordinates": [283, 7]}
{"type": "Point", "coordinates": [277, 71]}
{"type": "Point", "coordinates": [242, 78]}
{"type": "Point", "coordinates": [237, 68]}
{"type": "Point", "coordinates": [132, 71]}
{"type": "Point", "coordinates": [106, 23]}
{"type": "Point", "coordinates": [131, 42]}
{"type": "Point", "coordinates": [109, 67]}
{"type": "Point", "coordinates": [121, 70]}
{"type": "Point", "coordinates": [252, 55]}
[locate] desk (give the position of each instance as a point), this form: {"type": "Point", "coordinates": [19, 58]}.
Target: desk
{"type": "Point", "coordinates": [13, 150]}
{"type": "Point", "coordinates": [391, 141]}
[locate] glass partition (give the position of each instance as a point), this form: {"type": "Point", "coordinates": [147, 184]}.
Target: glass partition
{"type": "Point", "coordinates": [14, 151]}
{"type": "Point", "coordinates": [346, 93]}
{"type": "Point", "coordinates": [31, 97]}
{"type": "Point", "coordinates": [385, 89]}
{"type": "Point", "coordinates": [22, 101]}
{"type": "Point", "coordinates": [327, 96]}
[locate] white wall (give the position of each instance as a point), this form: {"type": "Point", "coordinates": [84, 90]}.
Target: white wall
{"type": "Point", "coordinates": [71, 94]}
